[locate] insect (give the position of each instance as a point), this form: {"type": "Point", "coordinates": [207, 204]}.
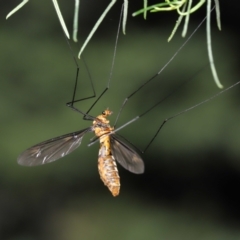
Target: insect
{"type": "Point", "coordinates": [112, 147]}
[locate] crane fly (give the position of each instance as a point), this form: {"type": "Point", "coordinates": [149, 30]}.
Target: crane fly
{"type": "Point", "coordinates": [112, 149]}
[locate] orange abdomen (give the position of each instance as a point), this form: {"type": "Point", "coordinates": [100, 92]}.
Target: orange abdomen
{"type": "Point", "coordinates": [109, 174]}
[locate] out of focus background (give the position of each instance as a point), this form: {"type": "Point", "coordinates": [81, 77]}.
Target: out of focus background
{"type": "Point", "coordinates": [190, 186]}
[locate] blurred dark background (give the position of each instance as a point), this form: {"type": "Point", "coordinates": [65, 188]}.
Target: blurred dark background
{"type": "Point", "coordinates": [190, 187]}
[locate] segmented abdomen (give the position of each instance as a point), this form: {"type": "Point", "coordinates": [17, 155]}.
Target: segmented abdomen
{"type": "Point", "coordinates": [108, 171]}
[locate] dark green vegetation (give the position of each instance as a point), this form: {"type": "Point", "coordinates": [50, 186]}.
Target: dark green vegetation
{"type": "Point", "coordinates": [190, 188]}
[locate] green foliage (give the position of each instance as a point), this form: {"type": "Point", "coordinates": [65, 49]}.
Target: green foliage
{"type": "Point", "coordinates": [183, 7]}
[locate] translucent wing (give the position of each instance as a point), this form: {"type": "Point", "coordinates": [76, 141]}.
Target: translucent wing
{"type": "Point", "coordinates": [126, 154]}
{"type": "Point", "coordinates": [52, 149]}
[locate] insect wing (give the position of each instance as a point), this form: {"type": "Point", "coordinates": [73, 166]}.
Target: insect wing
{"type": "Point", "coordinates": [52, 149]}
{"type": "Point", "coordinates": [126, 154]}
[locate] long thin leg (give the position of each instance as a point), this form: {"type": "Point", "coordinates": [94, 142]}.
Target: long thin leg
{"type": "Point", "coordinates": [86, 116]}
{"type": "Point", "coordinates": [71, 104]}
{"type": "Point", "coordinates": [156, 104]}
{"type": "Point", "coordinates": [169, 118]}
{"type": "Point", "coordinates": [158, 73]}
{"type": "Point", "coordinates": [111, 70]}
